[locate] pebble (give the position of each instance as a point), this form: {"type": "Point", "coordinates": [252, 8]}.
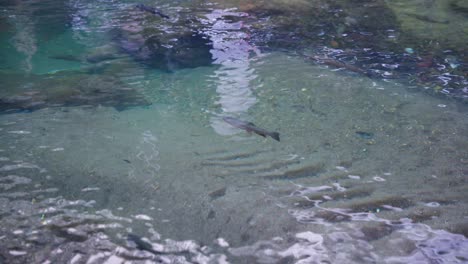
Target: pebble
{"type": "Point", "coordinates": [409, 50]}
{"type": "Point", "coordinates": [433, 204]}
{"type": "Point", "coordinates": [17, 252]}
{"type": "Point", "coordinates": [341, 168]}
{"type": "Point", "coordinates": [58, 149]}
{"type": "Point", "coordinates": [143, 217]}
{"type": "Point", "coordinates": [222, 243]}
{"type": "Point", "coordinates": [379, 179]}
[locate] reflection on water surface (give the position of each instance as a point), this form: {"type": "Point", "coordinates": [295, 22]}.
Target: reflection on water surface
{"type": "Point", "coordinates": [113, 146]}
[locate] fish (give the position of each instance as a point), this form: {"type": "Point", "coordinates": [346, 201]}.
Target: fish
{"type": "Point", "coordinates": [365, 135]}
{"type": "Point", "coordinates": [339, 64]}
{"type": "Point", "coordinates": [89, 58]}
{"type": "Point", "coordinates": [66, 57]}
{"type": "Point", "coordinates": [251, 127]}
{"type": "Point", "coordinates": [142, 245]}
{"type": "Point", "coordinates": [152, 10]}
{"type": "Point", "coordinates": [429, 19]}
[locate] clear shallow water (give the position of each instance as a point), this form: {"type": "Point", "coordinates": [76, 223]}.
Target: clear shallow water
{"type": "Point", "coordinates": [368, 170]}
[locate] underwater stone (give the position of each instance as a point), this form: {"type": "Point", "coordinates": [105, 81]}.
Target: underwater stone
{"type": "Point", "coordinates": [217, 193]}
{"type": "Point", "coordinates": [460, 228]}
{"type": "Point", "coordinates": [460, 6]}
{"type": "Point", "coordinates": [167, 52]}
{"type": "Point", "coordinates": [423, 214]}
{"type": "Point", "coordinates": [305, 171]}
{"type": "Point", "coordinates": [376, 231]}
{"type": "Point", "coordinates": [331, 216]}
{"type": "Point", "coordinates": [361, 191]}
{"type": "Point", "coordinates": [73, 89]}
{"type": "Point", "coordinates": [377, 204]}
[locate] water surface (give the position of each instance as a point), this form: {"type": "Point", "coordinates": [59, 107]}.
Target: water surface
{"type": "Point", "coordinates": [111, 124]}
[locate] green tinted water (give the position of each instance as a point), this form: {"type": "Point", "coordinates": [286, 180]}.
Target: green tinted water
{"type": "Point", "coordinates": [368, 170]}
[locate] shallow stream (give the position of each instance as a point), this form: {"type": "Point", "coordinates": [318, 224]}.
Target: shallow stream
{"type": "Point", "coordinates": [112, 124]}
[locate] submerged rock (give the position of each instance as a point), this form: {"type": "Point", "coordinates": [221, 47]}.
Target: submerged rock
{"type": "Point", "coordinates": [95, 55]}
{"type": "Point", "coordinates": [164, 43]}
{"type": "Point", "coordinates": [75, 89]}
{"type": "Point", "coordinates": [459, 6]}
{"type": "Point", "coordinates": [441, 22]}
{"type": "Point", "coordinates": [167, 52]}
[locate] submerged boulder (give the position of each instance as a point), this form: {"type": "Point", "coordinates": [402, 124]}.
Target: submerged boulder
{"type": "Point", "coordinates": [443, 23]}
{"type": "Point", "coordinates": [459, 6]}
{"type": "Point", "coordinates": [72, 89]}
{"type": "Point", "coordinates": [167, 52]}
{"type": "Point", "coordinates": [162, 42]}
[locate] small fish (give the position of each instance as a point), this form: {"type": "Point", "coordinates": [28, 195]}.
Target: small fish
{"type": "Point", "coordinates": [339, 64]}
{"type": "Point", "coordinates": [66, 57]}
{"type": "Point", "coordinates": [142, 245]}
{"type": "Point", "coordinates": [251, 127]}
{"type": "Point", "coordinates": [152, 10]}
{"type": "Point", "coordinates": [428, 18]}
{"type": "Point", "coordinates": [365, 135]}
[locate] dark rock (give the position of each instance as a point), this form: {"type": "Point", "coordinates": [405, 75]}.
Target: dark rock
{"type": "Point", "coordinates": [424, 214]}
{"type": "Point", "coordinates": [375, 231]}
{"type": "Point", "coordinates": [166, 51]}
{"type": "Point", "coordinates": [73, 89]}
{"type": "Point", "coordinates": [460, 6]}
{"type": "Point", "coordinates": [217, 193]}
{"type": "Point", "coordinates": [331, 216]}
{"type": "Point", "coordinates": [365, 135]}
{"type": "Point", "coordinates": [378, 204]}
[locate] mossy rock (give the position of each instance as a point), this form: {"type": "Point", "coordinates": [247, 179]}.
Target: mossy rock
{"type": "Point", "coordinates": [460, 6]}
{"type": "Point", "coordinates": [442, 22]}
{"type": "Point", "coordinates": [378, 204]}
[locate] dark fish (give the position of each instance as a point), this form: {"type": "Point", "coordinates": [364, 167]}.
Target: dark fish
{"type": "Point", "coordinates": [339, 64]}
{"type": "Point", "coordinates": [217, 193]}
{"type": "Point", "coordinates": [428, 18]}
{"type": "Point", "coordinates": [66, 57]}
{"type": "Point", "coordinates": [152, 10]}
{"type": "Point", "coordinates": [251, 127]}
{"type": "Point", "coordinates": [142, 245]}
{"type": "Point", "coordinates": [365, 135]}
{"type": "Point", "coordinates": [90, 58]}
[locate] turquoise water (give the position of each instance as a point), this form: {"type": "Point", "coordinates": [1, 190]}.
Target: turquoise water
{"type": "Point", "coordinates": [112, 124]}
